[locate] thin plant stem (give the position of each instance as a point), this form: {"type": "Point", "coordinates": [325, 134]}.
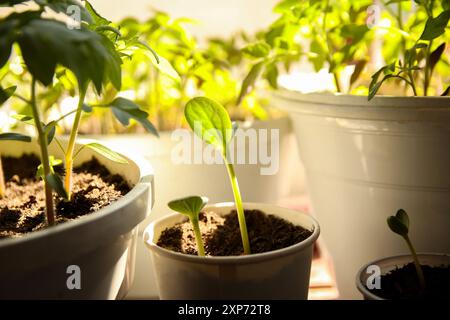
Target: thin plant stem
{"type": "Point", "coordinates": [239, 207]}
{"type": "Point", "coordinates": [327, 40]}
{"type": "Point", "coordinates": [198, 237]}
{"type": "Point", "coordinates": [416, 262]}
{"type": "Point", "coordinates": [426, 82]}
{"type": "Point", "coordinates": [42, 139]}
{"type": "Point", "coordinates": [2, 180]}
{"type": "Point", "coordinates": [71, 145]}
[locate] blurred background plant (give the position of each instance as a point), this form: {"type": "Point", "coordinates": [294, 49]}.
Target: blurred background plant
{"type": "Point", "coordinates": [337, 45]}
{"type": "Point", "coordinates": [186, 68]}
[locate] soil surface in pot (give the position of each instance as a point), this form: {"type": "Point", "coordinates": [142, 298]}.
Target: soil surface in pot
{"type": "Point", "coordinates": [403, 283]}
{"type": "Point", "coordinates": [22, 210]}
{"type": "Point", "coordinates": [222, 237]}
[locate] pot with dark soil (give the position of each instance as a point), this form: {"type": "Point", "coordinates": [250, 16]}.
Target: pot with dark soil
{"type": "Point", "coordinates": [89, 252]}
{"type": "Point", "coordinates": [406, 277]}
{"type": "Point", "coordinates": [68, 211]}
{"type": "Point", "coordinates": [229, 250]}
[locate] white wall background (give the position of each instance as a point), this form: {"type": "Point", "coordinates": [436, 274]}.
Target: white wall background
{"type": "Point", "coordinates": [216, 17]}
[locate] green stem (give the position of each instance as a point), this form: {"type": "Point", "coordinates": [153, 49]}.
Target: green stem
{"type": "Point", "coordinates": [71, 145]}
{"type": "Point", "coordinates": [42, 139]}
{"type": "Point", "coordinates": [426, 82]}
{"type": "Point", "coordinates": [416, 262]}
{"type": "Point", "coordinates": [2, 180]}
{"type": "Point", "coordinates": [198, 237]}
{"type": "Point", "coordinates": [413, 85]}
{"type": "Point", "coordinates": [337, 81]}
{"type": "Point", "coordinates": [327, 40]}
{"type": "Point", "coordinates": [239, 207]}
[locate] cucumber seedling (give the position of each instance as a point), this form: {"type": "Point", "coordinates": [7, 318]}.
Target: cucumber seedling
{"type": "Point", "coordinates": [191, 207]}
{"type": "Point", "coordinates": [210, 121]}
{"type": "Point", "coordinates": [399, 224]}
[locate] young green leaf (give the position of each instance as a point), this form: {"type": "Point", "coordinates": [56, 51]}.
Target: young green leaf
{"type": "Point", "coordinates": [5, 94]}
{"type": "Point", "coordinates": [96, 17]}
{"type": "Point", "coordinates": [53, 163]}
{"type": "Point", "coordinates": [435, 27]}
{"type": "Point", "coordinates": [56, 183]}
{"type": "Point", "coordinates": [106, 152]}
{"type": "Point", "coordinates": [15, 137]}
{"type": "Point", "coordinates": [399, 223]}
{"type": "Point", "coordinates": [190, 206]}
{"type": "Point", "coordinates": [257, 50]}
{"type": "Point", "coordinates": [125, 109]}
{"type": "Point", "coordinates": [210, 121]}
{"type": "Point", "coordinates": [435, 56]}
{"type": "Point", "coordinates": [250, 80]}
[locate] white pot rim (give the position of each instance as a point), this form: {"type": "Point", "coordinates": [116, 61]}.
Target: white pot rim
{"type": "Point", "coordinates": [245, 259]}
{"type": "Point", "coordinates": [146, 178]}
{"type": "Point", "coordinates": [362, 288]}
{"type": "Point", "coordinates": [379, 101]}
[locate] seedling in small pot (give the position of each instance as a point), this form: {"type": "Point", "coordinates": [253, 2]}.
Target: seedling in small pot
{"type": "Point", "coordinates": [210, 121]}
{"type": "Point", "coordinates": [399, 224]}
{"type": "Point", "coordinates": [191, 207]}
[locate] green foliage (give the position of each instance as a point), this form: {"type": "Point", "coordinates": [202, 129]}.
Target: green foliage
{"type": "Point", "coordinates": [419, 49]}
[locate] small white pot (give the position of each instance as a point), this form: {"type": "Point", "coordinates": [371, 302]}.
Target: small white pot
{"type": "Point", "coordinates": [280, 274]}
{"type": "Point", "coordinates": [102, 244]}
{"type": "Point", "coordinates": [364, 161]}
{"type": "Point", "coordinates": [387, 265]}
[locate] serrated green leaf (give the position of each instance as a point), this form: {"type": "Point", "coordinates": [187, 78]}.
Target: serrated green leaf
{"type": "Point", "coordinates": [125, 109]}
{"type": "Point", "coordinates": [96, 17]}
{"type": "Point", "coordinates": [106, 152]}
{"type": "Point", "coordinates": [210, 122]}
{"type": "Point", "coordinates": [435, 27]}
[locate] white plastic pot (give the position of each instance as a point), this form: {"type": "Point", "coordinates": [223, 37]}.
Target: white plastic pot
{"type": "Point", "coordinates": [174, 179]}
{"type": "Point", "coordinates": [102, 244]}
{"type": "Point", "coordinates": [365, 160]}
{"type": "Point", "coordinates": [387, 265]}
{"type": "Point", "coordinates": [280, 274]}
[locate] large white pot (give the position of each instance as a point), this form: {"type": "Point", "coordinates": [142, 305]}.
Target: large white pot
{"type": "Point", "coordinates": [174, 180]}
{"type": "Point", "coordinates": [102, 244]}
{"type": "Point", "coordinates": [279, 274]}
{"type": "Point", "coordinates": [365, 160]}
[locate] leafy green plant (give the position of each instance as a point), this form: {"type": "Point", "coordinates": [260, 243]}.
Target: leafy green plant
{"type": "Point", "coordinates": [191, 207]}
{"type": "Point", "coordinates": [417, 63]}
{"type": "Point", "coordinates": [399, 224]}
{"type": "Point", "coordinates": [91, 54]}
{"type": "Point", "coordinates": [328, 33]}
{"type": "Point", "coordinates": [210, 122]}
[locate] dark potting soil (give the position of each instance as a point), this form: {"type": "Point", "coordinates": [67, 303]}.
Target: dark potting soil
{"type": "Point", "coordinates": [22, 209]}
{"type": "Point", "coordinates": [222, 237]}
{"type": "Point", "coordinates": [403, 283]}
